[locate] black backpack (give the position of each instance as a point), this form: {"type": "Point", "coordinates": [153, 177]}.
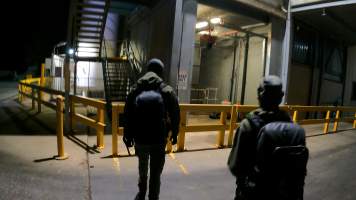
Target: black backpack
{"type": "Point", "coordinates": [150, 115]}
{"type": "Point", "coordinates": [281, 160]}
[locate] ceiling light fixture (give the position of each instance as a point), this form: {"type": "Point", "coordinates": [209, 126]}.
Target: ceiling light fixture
{"type": "Point", "coordinates": [200, 25]}
{"type": "Point", "coordinates": [216, 20]}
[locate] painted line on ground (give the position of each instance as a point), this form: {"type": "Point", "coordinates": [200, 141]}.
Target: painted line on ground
{"type": "Point", "coordinates": [180, 165]}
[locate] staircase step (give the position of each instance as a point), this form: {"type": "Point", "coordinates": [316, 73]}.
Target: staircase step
{"type": "Point", "coordinates": [88, 37]}
{"type": "Point", "coordinates": [88, 42]}
{"type": "Point", "coordinates": [89, 26]}
{"type": "Point", "coordinates": [85, 12]}
{"type": "Point", "coordinates": [90, 19]}
{"type": "Point", "coordinates": [88, 5]}
{"type": "Point", "coordinates": [90, 31]}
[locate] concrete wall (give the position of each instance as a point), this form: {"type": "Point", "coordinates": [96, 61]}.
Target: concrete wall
{"type": "Point", "coordinates": [151, 32]}
{"type": "Point", "coordinates": [216, 68]}
{"type": "Point", "coordinates": [350, 76]}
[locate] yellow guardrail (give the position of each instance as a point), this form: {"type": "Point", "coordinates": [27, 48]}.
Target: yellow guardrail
{"type": "Point", "coordinates": [30, 87]}
{"type": "Point", "coordinates": [98, 123]}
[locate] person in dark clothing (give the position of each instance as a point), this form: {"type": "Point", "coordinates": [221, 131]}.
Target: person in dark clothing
{"type": "Point", "coordinates": [151, 112]}
{"type": "Point", "coordinates": [246, 138]}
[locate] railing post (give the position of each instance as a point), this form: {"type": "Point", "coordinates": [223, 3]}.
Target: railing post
{"type": "Point", "coordinates": [181, 135]}
{"type": "Point", "coordinates": [60, 141]}
{"type": "Point", "coordinates": [33, 98]}
{"type": "Point", "coordinates": [221, 135]}
{"type": "Point", "coordinates": [114, 125]}
{"type": "Point", "coordinates": [233, 120]}
{"type": "Point", "coordinates": [72, 113]}
{"type": "Point", "coordinates": [354, 125]}
{"type": "Point", "coordinates": [336, 122]}
{"type": "Point", "coordinates": [19, 95]}
{"type": "Point", "coordinates": [169, 147]}
{"type": "Point", "coordinates": [327, 122]}
{"type": "Point", "coordinates": [39, 109]}
{"type": "Point", "coordinates": [295, 116]}
{"type": "Point", "coordinates": [100, 130]}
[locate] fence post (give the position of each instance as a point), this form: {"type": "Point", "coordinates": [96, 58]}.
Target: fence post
{"type": "Point", "coordinates": [181, 135]}
{"type": "Point", "coordinates": [72, 113]}
{"type": "Point", "coordinates": [20, 90]}
{"type": "Point", "coordinates": [221, 136]}
{"type": "Point", "coordinates": [233, 121]}
{"type": "Point", "coordinates": [33, 98]}
{"type": "Point", "coordinates": [114, 125]}
{"type": "Point", "coordinates": [327, 122]}
{"type": "Point", "coordinates": [100, 130]}
{"type": "Point", "coordinates": [336, 122]}
{"type": "Point", "coordinates": [60, 140]}
{"type": "Point", "coordinates": [169, 147]}
{"type": "Point", "coordinates": [295, 116]}
{"type": "Point", "coordinates": [354, 126]}
{"type": "Point", "coordinates": [39, 100]}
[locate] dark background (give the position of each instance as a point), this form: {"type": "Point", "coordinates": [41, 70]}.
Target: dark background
{"type": "Point", "coordinates": [30, 29]}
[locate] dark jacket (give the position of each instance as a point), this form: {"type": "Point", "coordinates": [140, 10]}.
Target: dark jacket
{"type": "Point", "coordinates": [139, 132]}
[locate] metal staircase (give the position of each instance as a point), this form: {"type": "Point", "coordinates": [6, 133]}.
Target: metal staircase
{"type": "Point", "coordinates": [87, 40]}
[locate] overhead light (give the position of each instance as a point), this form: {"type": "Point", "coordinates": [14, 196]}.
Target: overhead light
{"type": "Point", "coordinates": [204, 33]}
{"type": "Point", "coordinates": [200, 25]}
{"type": "Point", "coordinates": [71, 51]}
{"type": "Point", "coordinates": [216, 20]}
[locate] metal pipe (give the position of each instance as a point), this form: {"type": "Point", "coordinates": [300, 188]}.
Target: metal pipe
{"type": "Point", "coordinates": [233, 70]}
{"type": "Point", "coordinates": [242, 101]}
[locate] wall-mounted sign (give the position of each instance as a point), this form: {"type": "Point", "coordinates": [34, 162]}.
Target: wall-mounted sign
{"type": "Point", "coordinates": [182, 80]}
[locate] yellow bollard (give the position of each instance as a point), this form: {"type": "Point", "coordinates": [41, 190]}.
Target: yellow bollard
{"type": "Point", "coordinates": [336, 122]}
{"type": "Point", "coordinates": [295, 117]}
{"type": "Point", "coordinates": [169, 146]}
{"type": "Point", "coordinates": [221, 135]}
{"type": "Point", "coordinates": [60, 140]}
{"type": "Point", "coordinates": [39, 109]}
{"type": "Point", "coordinates": [181, 135]}
{"type": "Point", "coordinates": [233, 120]}
{"type": "Point", "coordinates": [327, 122]}
{"type": "Point", "coordinates": [354, 126]}
{"type": "Point", "coordinates": [33, 98]}
{"type": "Point", "coordinates": [100, 130]}
{"type": "Point", "coordinates": [114, 126]}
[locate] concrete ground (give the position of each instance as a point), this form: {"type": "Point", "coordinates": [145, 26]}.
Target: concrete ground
{"type": "Point", "coordinates": [28, 169]}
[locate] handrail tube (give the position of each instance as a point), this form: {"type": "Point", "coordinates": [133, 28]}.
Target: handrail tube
{"type": "Point", "coordinates": [88, 101]}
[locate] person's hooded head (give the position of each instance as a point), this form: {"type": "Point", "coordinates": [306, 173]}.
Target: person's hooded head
{"type": "Point", "coordinates": [155, 65]}
{"type": "Point", "coordinates": [270, 92]}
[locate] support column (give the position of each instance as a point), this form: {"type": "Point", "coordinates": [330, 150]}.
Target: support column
{"type": "Point", "coordinates": [183, 47]}
{"type": "Point", "coordinates": [67, 91]}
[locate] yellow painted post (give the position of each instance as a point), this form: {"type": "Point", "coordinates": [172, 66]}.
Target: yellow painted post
{"type": "Point", "coordinates": [39, 109]}
{"type": "Point", "coordinates": [169, 146]}
{"type": "Point", "coordinates": [233, 121]}
{"type": "Point", "coordinates": [221, 135]}
{"type": "Point", "coordinates": [33, 98]}
{"type": "Point", "coordinates": [336, 122]}
{"type": "Point", "coordinates": [100, 130]}
{"type": "Point", "coordinates": [60, 140]}
{"type": "Point", "coordinates": [72, 113]}
{"type": "Point", "coordinates": [42, 80]}
{"type": "Point", "coordinates": [327, 122]}
{"type": "Point", "coordinates": [295, 117]}
{"type": "Point", "coordinates": [20, 95]}
{"type": "Point", "coordinates": [114, 125]}
{"type": "Point", "coordinates": [181, 135]}
{"type": "Point", "coordinates": [354, 126]}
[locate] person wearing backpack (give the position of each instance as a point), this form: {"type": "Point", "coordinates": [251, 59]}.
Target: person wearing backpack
{"type": "Point", "coordinates": [150, 112]}
{"type": "Point", "coordinates": [269, 155]}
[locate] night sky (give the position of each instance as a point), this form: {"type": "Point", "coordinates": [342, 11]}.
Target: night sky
{"type": "Point", "coordinates": [30, 29]}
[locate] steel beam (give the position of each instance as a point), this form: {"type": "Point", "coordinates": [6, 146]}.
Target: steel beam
{"type": "Point", "coordinates": [323, 5]}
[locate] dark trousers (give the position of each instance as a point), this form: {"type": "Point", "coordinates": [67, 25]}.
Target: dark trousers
{"type": "Point", "coordinates": [154, 155]}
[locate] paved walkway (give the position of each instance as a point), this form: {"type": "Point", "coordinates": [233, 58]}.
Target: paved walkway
{"type": "Point", "coordinates": [28, 170]}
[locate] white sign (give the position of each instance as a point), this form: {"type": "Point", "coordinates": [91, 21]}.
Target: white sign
{"type": "Point", "coordinates": [182, 80]}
